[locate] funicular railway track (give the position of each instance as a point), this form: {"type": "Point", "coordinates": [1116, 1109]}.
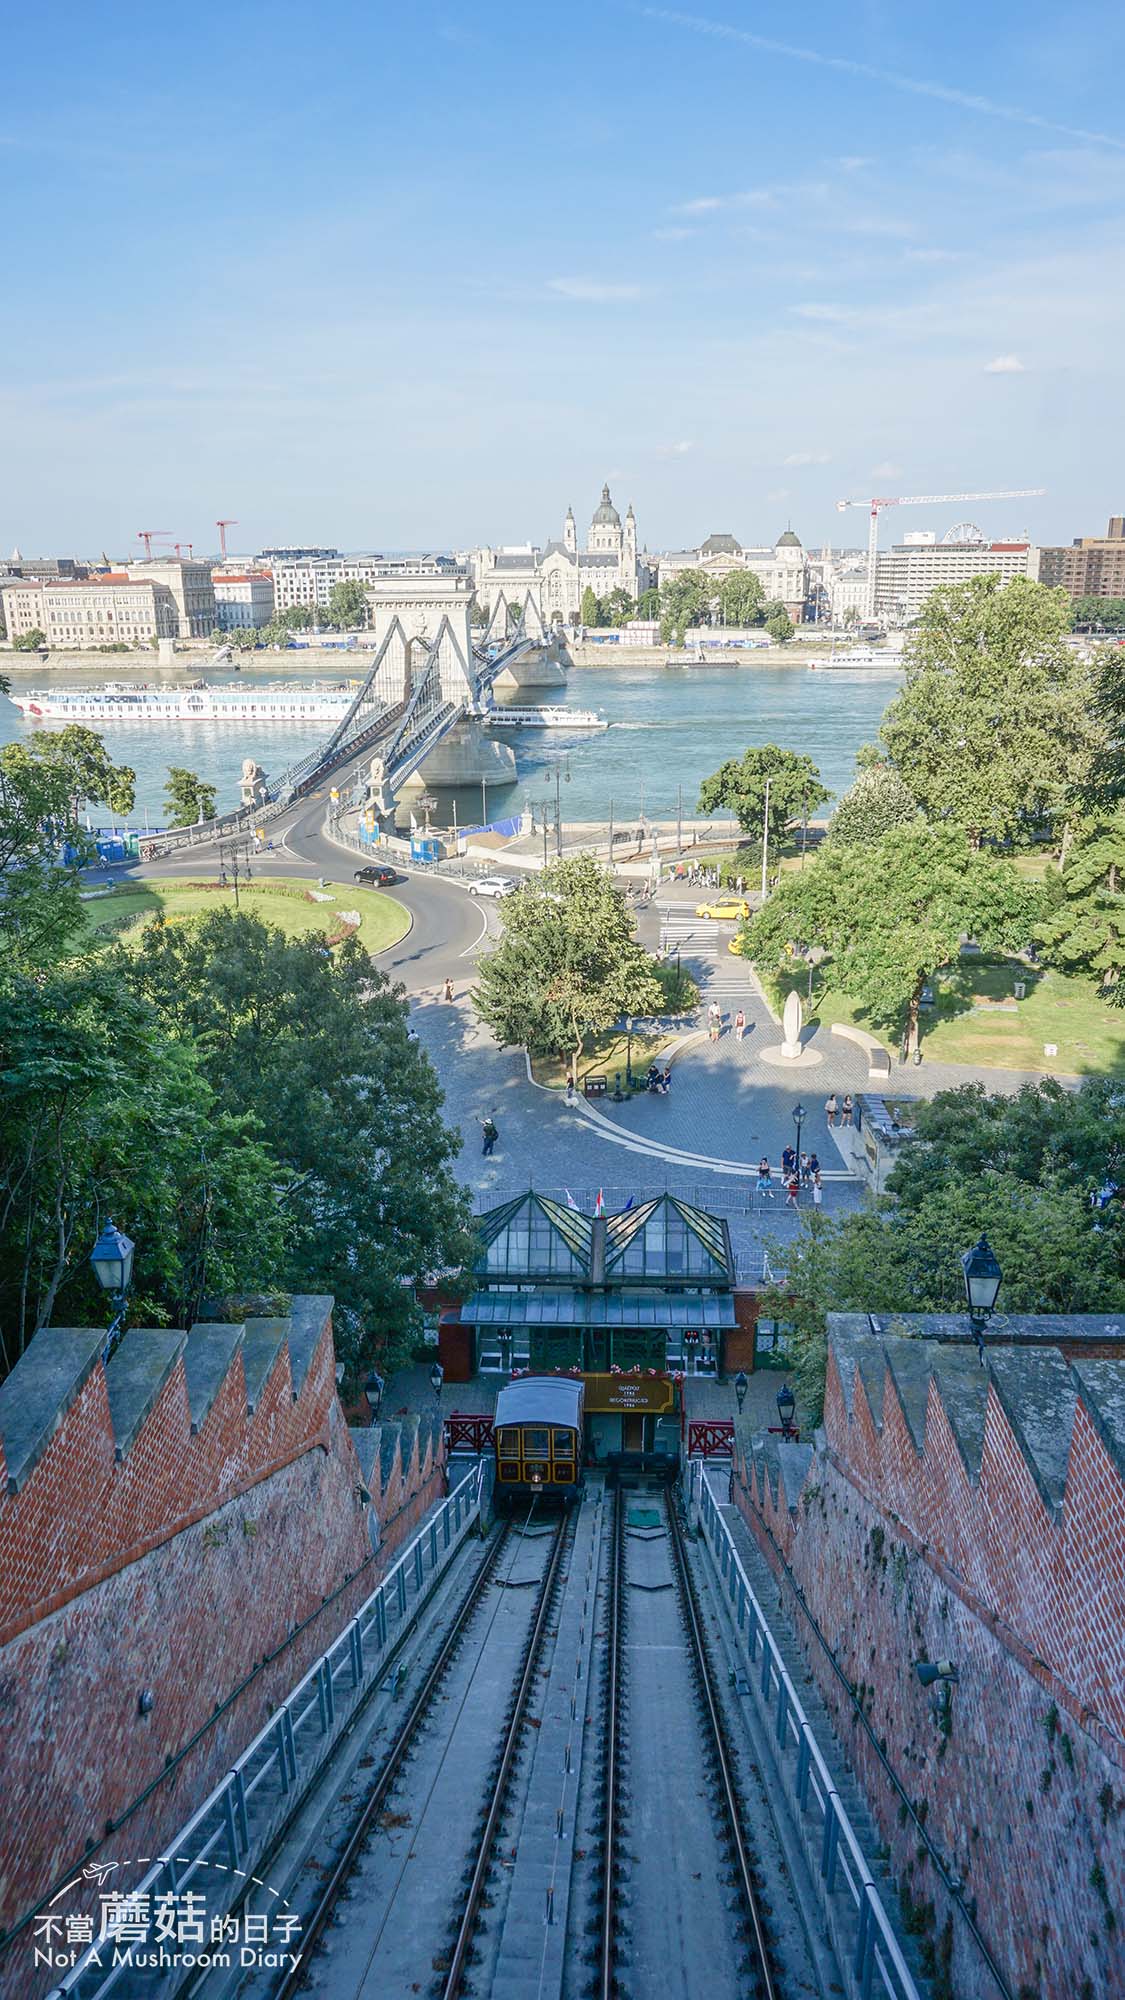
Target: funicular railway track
{"type": "Point", "coordinates": [633, 1675]}
{"type": "Point", "coordinates": [340, 1955]}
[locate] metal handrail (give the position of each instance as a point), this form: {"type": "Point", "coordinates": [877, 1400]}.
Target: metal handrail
{"type": "Point", "coordinates": [877, 1950]}
{"type": "Point", "coordinates": [279, 1749]}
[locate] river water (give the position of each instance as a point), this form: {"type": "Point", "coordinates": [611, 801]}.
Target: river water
{"type": "Point", "coordinates": [670, 727]}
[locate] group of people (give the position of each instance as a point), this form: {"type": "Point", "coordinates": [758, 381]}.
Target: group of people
{"type": "Point", "coordinates": [835, 1108]}
{"type": "Point", "coordinates": [659, 1080]}
{"type": "Point", "coordinates": [796, 1173]}
{"type": "Point", "coordinates": [715, 1022]}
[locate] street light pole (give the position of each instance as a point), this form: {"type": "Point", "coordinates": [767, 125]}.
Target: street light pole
{"type": "Point", "coordinates": [765, 839]}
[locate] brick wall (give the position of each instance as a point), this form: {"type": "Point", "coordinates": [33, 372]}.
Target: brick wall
{"type": "Point", "coordinates": [185, 1568]}
{"type": "Point", "coordinates": [905, 1552]}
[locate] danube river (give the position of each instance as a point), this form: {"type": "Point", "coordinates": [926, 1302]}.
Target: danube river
{"type": "Point", "coordinates": [670, 727]}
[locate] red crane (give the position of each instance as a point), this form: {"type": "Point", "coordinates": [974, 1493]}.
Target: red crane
{"type": "Point", "coordinates": [222, 526]}
{"type": "Point", "coordinates": [148, 536]}
{"type": "Point", "coordinates": [180, 547]}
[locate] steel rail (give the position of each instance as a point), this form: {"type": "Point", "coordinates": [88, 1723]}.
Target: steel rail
{"type": "Point", "coordinates": [606, 1955]}
{"type": "Point", "coordinates": [717, 1731]}
{"type": "Point", "coordinates": [295, 1978]}
{"type": "Point", "coordinates": [459, 1958]}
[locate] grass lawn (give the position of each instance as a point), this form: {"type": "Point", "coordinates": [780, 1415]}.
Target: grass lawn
{"type": "Point", "coordinates": [606, 1053]}
{"type": "Point", "coordinates": [285, 903]}
{"type": "Point", "coordinates": [976, 1018]}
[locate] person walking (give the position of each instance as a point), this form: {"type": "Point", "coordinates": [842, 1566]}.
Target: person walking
{"type": "Point", "coordinates": [448, 993]}
{"type": "Point", "coordinates": [715, 1020]}
{"type": "Point", "coordinates": [739, 1025]}
{"type": "Point", "coordinates": [788, 1161]}
{"type": "Point", "coordinates": [765, 1180]}
{"type": "Point", "coordinates": [489, 1134]}
{"type": "Point", "coordinates": [814, 1167]}
{"type": "Point", "coordinates": [817, 1191]}
{"type": "Point", "coordinates": [848, 1108]}
{"type": "Point", "coordinates": [831, 1109]}
{"type": "Point", "coordinates": [570, 1090]}
{"type": "Point", "coordinates": [792, 1189]}
{"type": "Point", "coordinates": [806, 1170]}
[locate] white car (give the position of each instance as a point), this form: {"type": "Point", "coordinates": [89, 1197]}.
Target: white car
{"type": "Point", "coordinates": [492, 885]}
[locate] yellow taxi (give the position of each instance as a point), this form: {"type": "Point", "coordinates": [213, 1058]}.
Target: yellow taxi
{"type": "Point", "coordinates": [727, 909]}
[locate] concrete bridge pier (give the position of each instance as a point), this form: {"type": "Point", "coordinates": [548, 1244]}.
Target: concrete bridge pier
{"type": "Point", "coordinates": [536, 670]}
{"type": "Point", "coordinates": [464, 756]}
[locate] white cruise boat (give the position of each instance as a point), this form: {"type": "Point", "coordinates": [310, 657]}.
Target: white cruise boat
{"type": "Point", "coordinates": [548, 716]}
{"type": "Point", "coordinates": [191, 701]}
{"type": "Point", "coordinates": [859, 656]}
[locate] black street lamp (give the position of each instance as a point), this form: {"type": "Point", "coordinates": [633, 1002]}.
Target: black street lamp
{"type": "Point", "coordinates": [786, 1404]}
{"type": "Point", "coordinates": [112, 1259]}
{"type": "Point", "coordinates": [437, 1377]}
{"type": "Point", "coordinates": [374, 1389]}
{"type": "Point", "coordinates": [983, 1278]}
{"type": "Point", "coordinates": [799, 1115]}
{"type": "Point", "coordinates": [741, 1385]}
{"type": "Point", "coordinates": [629, 1052]}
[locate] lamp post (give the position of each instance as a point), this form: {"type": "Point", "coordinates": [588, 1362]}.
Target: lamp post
{"type": "Point", "coordinates": [112, 1259]}
{"type": "Point", "coordinates": [799, 1115]}
{"type": "Point", "coordinates": [786, 1404]}
{"type": "Point", "coordinates": [437, 1377]}
{"type": "Point", "coordinates": [983, 1278]}
{"type": "Point", "coordinates": [506, 1351]}
{"type": "Point", "coordinates": [628, 1052]}
{"type": "Point", "coordinates": [741, 1385]}
{"type": "Point", "coordinates": [374, 1389]}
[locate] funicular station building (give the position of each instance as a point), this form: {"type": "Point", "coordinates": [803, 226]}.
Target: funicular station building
{"type": "Point", "coordinates": [630, 1302]}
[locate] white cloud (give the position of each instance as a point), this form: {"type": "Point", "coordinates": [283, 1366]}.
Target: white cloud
{"type": "Point", "coordinates": [592, 291]}
{"type": "Point", "coordinates": [679, 450]}
{"type": "Point", "coordinates": [852, 163]}
{"type": "Point", "coordinates": [1004, 364]}
{"type": "Point", "coordinates": [831, 314]}
{"type": "Point", "coordinates": [885, 470]}
{"type": "Point", "coordinates": [777, 494]}
{"type": "Point", "coordinates": [672, 235]}
{"type": "Point", "coordinates": [708, 204]}
{"type": "Point", "coordinates": [876, 225]}
{"type": "Point", "coordinates": [808, 458]}
{"type": "Point", "coordinates": [932, 256]}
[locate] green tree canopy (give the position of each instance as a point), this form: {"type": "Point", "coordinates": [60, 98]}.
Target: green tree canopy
{"type": "Point", "coordinates": [188, 797]}
{"type": "Point", "coordinates": [780, 626]}
{"type": "Point", "coordinates": [567, 963]}
{"type": "Point", "coordinates": [877, 802]}
{"type": "Point", "coordinates": [741, 598]}
{"type": "Point", "coordinates": [683, 598]}
{"type": "Point", "coordinates": [1083, 926]}
{"type": "Point", "coordinates": [648, 603]}
{"type": "Point", "coordinates": [589, 611]}
{"type": "Point", "coordinates": [347, 607]}
{"type": "Point", "coordinates": [740, 785]}
{"type": "Point", "coordinates": [1106, 614]}
{"type": "Point", "coordinates": [90, 775]}
{"type": "Point", "coordinates": [892, 914]}
{"type": "Point", "coordinates": [618, 607]}
{"type": "Point", "coordinates": [40, 911]}
{"type": "Point", "coordinates": [29, 642]}
{"type": "Point", "coordinates": [993, 729]}
{"type": "Point", "coordinates": [312, 1045]}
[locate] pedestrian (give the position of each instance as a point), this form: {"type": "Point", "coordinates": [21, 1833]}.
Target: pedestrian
{"type": "Point", "coordinates": [831, 1109]}
{"type": "Point", "coordinates": [792, 1187]}
{"type": "Point", "coordinates": [489, 1135]}
{"type": "Point", "coordinates": [765, 1180]}
{"type": "Point", "coordinates": [448, 993]}
{"type": "Point", "coordinates": [666, 1080]}
{"type": "Point", "coordinates": [806, 1170]}
{"type": "Point", "coordinates": [739, 1025]}
{"type": "Point", "coordinates": [848, 1108]}
{"type": "Point", "coordinates": [715, 1021]}
{"type": "Point", "coordinates": [817, 1191]}
{"type": "Point", "coordinates": [814, 1166]}
{"type": "Point", "coordinates": [788, 1160]}
{"type": "Point", "coordinates": [570, 1090]}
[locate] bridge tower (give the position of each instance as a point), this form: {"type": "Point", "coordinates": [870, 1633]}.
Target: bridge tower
{"type": "Point", "coordinates": [427, 602]}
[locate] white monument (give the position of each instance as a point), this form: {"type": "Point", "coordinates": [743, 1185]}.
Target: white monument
{"type": "Point", "coordinates": [791, 1021]}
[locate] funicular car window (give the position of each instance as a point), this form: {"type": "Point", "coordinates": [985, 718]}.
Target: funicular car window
{"type": "Point", "coordinates": [508, 1444]}
{"type": "Point", "coordinates": [564, 1441]}
{"type": "Point", "coordinates": [535, 1444]}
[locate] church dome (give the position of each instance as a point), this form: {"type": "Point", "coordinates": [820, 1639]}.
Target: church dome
{"type": "Point", "coordinates": [789, 540]}
{"type": "Point", "coordinates": [607, 515]}
{"type": "Point", "coordinates": [720, 545]}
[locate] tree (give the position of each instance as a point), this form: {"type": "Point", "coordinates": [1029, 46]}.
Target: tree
{"type": "Point", "coordinates": [892, 914]}
{"type": "Point", "coordinates": [992, 730]}
{"type": "Point", "coordinates": [780, 626]}
{"type": "Point", "coordinates": [1083, 927]}
{"type": "Point", "coordinates": [877, 802]}
{"type": "Point", "coordinates": [313, 1046]}
{"type": "Point", "coordinates": [40, 910]}
{"type": "Point", "coordinates": [100, 1114]}
{"type": "Point", "coordinates": [1106, 614]}
{"type": "Point", "coordinates": [618, 607]}
{"type": "Point", "coordinates": [1104, 787]}
{"type": "Point", "coordinates": [188, 797]}
{"type": "Point", "coordinates": [567, 964]}
{"type": "Point", "coordinates": [851, 617]}
{"type": "Point", "coordinates": [648, 603]}
{"type": "Point", "coordinates": [29, 642]}
{"type": "Point", "coordinates": [741, 598]}
{"type": "Point", "coordinates": [740, 785]}
{"type": "Point", "coordinates": [589, 611]}
{"type": "Point", "coordinates": [347, 607]}
{"type": "Point", "coordinates": [683, 598]}
{"type": "Point", "coordinates": [87, 770]}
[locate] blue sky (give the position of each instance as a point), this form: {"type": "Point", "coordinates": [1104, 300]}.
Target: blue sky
{"type": "Point", "coordinates": [422, 275]}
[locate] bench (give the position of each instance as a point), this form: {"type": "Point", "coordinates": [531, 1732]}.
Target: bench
{"type": "Point", "coordinates": [878, 1061]}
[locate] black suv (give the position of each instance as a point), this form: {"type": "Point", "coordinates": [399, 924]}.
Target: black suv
{"type": "Point", "coordinates": [378, 878]}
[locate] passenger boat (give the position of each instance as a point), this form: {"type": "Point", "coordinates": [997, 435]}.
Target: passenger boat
{"type": "Point", "coordinates": [190, 701]}
{"type": "Point", "coordinates": [548, 716]}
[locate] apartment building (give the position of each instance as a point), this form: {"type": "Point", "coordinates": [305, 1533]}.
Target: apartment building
{"type": "Point", "coordinates": [243, 598]}
{"type": "Point", "coordinates": [1093, 566]}
{"type": "Point", "coordinates": [191, 587]}
{"type": "Point", "coordinates": [906, 574]}
{"type": "Point", "coordinates": [311, 583]}
{"type": "Point", "coordinates": [111, 609]}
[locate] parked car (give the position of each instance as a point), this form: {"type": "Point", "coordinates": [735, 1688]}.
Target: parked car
{"type": "Point", "coordinates": [727, 909]}
{"type": "Point", "coordinates": [492, 885]}
{"type": "Point", "coordinates": [380, 877]}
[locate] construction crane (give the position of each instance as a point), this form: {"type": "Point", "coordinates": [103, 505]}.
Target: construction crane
{"type": "Point", "coordinates": [150, 535]}
{"type": "Point", "coordinates": [222, 526]}
{"type": "Point", "coordinates": [920, 500]}
{"type": "Point", "coordinates": [180, 547]}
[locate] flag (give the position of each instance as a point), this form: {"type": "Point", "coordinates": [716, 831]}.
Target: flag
{"type": "Point", "coordinates": [570, 1201]}
{"type": "Point", "coordinates": [599, 1205]}
{"type": "Point", "coordinates": [628, 1206]}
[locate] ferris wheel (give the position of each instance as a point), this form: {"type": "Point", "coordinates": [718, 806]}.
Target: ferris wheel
{"type": "Point", "coordinates": [965, 531]}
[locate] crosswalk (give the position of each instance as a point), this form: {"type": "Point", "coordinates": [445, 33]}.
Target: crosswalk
{"type": "Point", "coordinates": [701, 945]}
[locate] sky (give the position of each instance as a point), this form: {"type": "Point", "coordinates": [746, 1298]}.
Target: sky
{"type": "Point", "coordinates": [421, 276]}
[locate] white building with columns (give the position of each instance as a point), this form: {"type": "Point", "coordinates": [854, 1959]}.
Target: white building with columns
{"type": "Point", "coordinates": [558, 574]}
{"type": "Point", "coordinates": [783, 570]}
